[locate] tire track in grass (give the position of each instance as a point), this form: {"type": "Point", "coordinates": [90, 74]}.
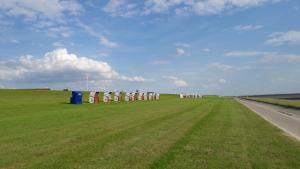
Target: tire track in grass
{"type": "Point", "coordinates": [92, 146]}
{"type": "Point", "coordinates": [168, 156]}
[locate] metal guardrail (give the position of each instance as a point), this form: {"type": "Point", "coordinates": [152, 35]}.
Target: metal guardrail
{"type": "Point", "coordinates": [275, 104]}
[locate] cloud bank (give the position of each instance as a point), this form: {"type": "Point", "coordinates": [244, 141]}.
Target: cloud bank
{"type": "Point", "coordinates": [279, 38]}
{"type": "Point", "coordinates": [37, 9]}
{"type": "Point", "coordinates": [123, 8]}
{"type": "Point", "coordinates": [266, 56]}
{"type": "Point", "coordinates": [60, 66]}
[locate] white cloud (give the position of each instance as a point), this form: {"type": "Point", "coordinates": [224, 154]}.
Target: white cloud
{"type": "Point", "coordinates": [59, 31]}
{"type": "Point", "coordinates": [266, 56]}
{"type": "Point", "coordinates": [36, 9]}
{"type": "Point", "coordinates": [57, 44]}
{"type": "Point", "coordinates": [113, 5]}
{"type": "Point", "coordinates": [281, 58]}
{"type": "Point", "coordinates": [206, 50]}
{"type": "Point", "coordinates": [120, 8]}
{"type": "Point", "coordinates": [136, 79]}
{"type": "Point", "coordinates": [60, 44]}
{"type": "Point", "coordinates": [176, 81]}
{"type": "Point", "coordinates": [279, 38]}
{"type": "Point", "coordinates": [103, 54]}
{"type": "Point", "coordinates": [220, 66]}
{"type": "Point", "coordinates": [160, 62]}
{"type": "Point", "coordinates": [183, 45]}
{"type": "Point", "coordinates": [180, 51]}
{"type": "Point", "coordinates": [60, 66]}
{"type": "Point", "coordinates": [223, 81]}
{"type": "Point", "coordinates": [103, 40]}
{"type": "Point", "coordinates": [180, 83]}
{"type": "Point", "coordinates": [208, 7]}
{"type": "Point", "coordinates": [49, 16]}
{"type": "Point", "coordinates": [180, 48]}
{"type": "Point", "coordinates": [180, 7]}
{"type": "Point", "coordinates": [247, 27]}
{"type": "Point", "coordinates": [246, 53]}
{"type": "Point", "coordinates": [14, 41]}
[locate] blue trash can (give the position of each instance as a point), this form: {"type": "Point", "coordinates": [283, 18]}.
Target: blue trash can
{"type": "Point", "coordinates": [76, 97]}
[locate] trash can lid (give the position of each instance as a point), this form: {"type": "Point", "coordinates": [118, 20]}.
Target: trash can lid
{"type": "Point", "coordinates": [77, 92]}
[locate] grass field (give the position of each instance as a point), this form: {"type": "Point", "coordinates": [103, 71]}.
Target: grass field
{"type": "Point", "coordinates": [282, 102]}
{"type": "Point", "coordinates": [38, 129]}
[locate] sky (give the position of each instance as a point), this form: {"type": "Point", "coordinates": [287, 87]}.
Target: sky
{"type": "Point", "coordinates": [223, 47]}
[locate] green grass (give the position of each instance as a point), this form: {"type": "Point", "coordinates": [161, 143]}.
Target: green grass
{"type": "Point", "coordinates": [38, 129]}
{"type": "Point", "coordinates": [282, 102]}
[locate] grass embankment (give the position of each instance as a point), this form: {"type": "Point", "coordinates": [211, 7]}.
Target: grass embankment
{"type": "Point", "coordinates": [280, 102]}
{"type": "Point", "coordinates": [38, 129]}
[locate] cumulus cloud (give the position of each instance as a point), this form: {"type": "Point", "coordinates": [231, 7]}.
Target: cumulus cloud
{"type": "Point", "coordinates": [279, 38]}
{"type": "Point", "coordinates": [180, 7]}
{"type": "Point", "coordinates": [60, 66]}
{"type": "Point", "coordinates": [176, 81]}
{"type": "Point", "coordinates": [247, 27]}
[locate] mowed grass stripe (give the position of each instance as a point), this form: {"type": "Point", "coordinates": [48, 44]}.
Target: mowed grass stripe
{"type": "Point", "coordinates": [126, 125]}
{"type": "Point", "coordinates": [96, 144]}
{"type": "Point", "coordinates": [45, 132]}
{"type": "Point", "coordinates": [75, 120]}
{"type": "Point", "coordinates": [168, 156]}
{"type": "Point", "coordinates": [70, 144]}
{"type": "Point", "coordinates": [235, 137]}
{"type": "Point", "coordinates": [148, 143]}
{"type": "Point", "coordinates": [218, 143]}
{"type": "Point", "coordinates": [33, 121]}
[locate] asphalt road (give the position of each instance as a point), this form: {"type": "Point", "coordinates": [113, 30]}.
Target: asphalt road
{"type": "Point", "coordinates": [284, 118]}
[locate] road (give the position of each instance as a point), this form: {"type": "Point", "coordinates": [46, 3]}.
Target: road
{"type": "Point", "coordinates": [284, 118]}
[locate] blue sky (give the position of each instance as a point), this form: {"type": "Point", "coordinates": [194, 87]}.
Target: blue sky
{"type": "Point", "coordinates": [225, 47]}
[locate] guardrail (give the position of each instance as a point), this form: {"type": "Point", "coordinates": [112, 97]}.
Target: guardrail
{"type": "Point", "coordinates": [275, 104]}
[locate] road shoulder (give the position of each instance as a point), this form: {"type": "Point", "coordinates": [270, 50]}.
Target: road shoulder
{"type": "Point", "coordinates": [288, 124]}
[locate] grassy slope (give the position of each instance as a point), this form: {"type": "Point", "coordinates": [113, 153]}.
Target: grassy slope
{"type": "Point", "coordinates": [283, 102]}
{"type": "Point", "coordinates": [39, 130]}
